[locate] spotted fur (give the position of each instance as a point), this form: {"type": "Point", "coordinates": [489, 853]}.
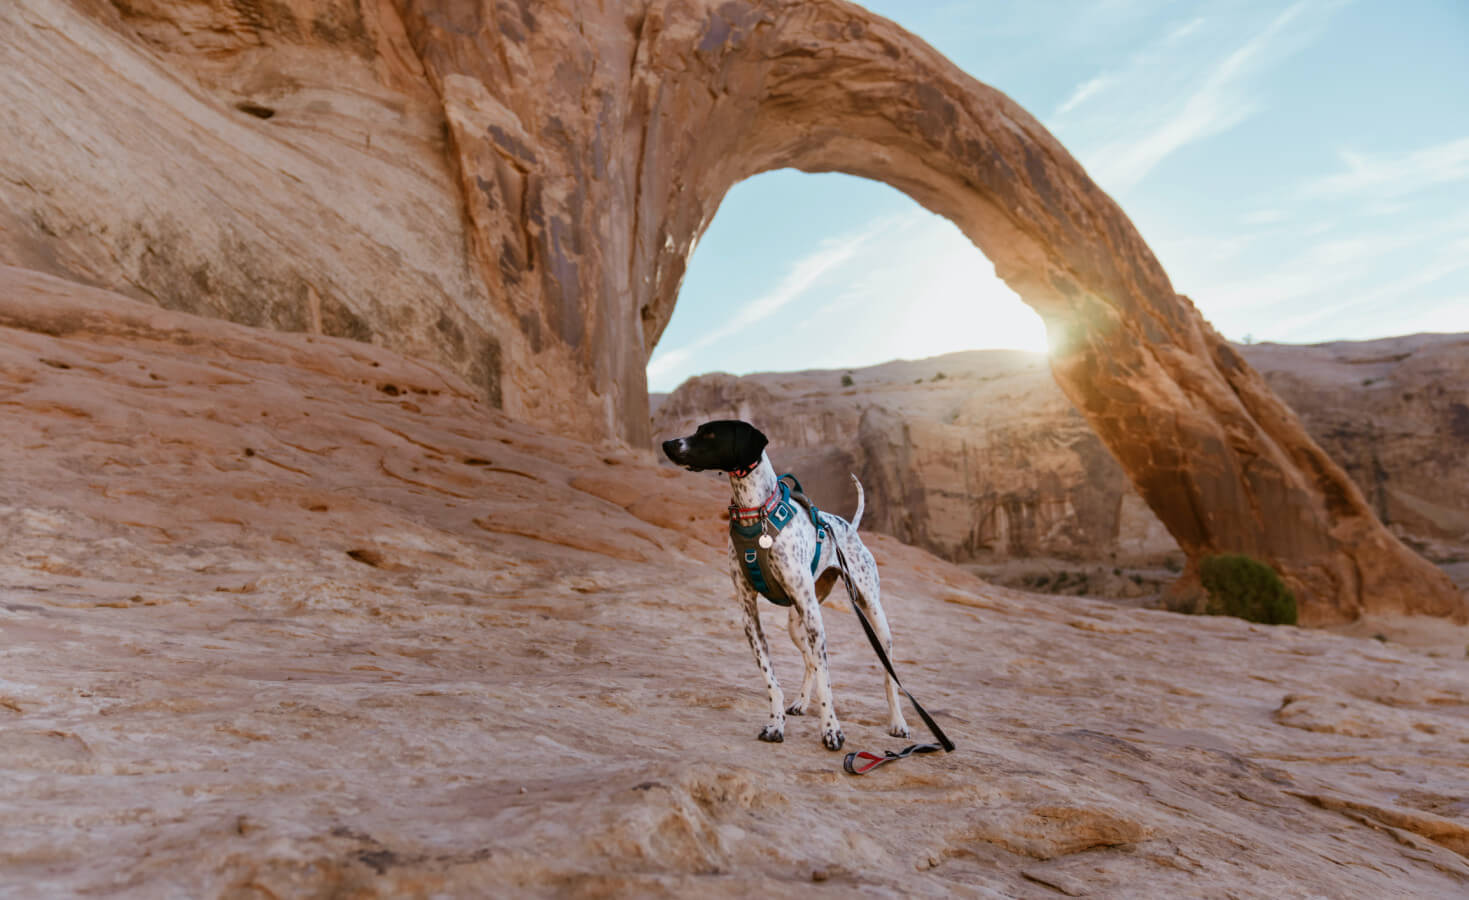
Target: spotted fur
{"type": "Point", "coordinates": [732, 445]}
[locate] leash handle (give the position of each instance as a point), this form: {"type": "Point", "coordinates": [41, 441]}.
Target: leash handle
{"type": "Point", "coordinates": [872, 760]}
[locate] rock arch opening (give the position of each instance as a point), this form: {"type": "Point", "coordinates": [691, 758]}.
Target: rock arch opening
{"type": "Point", "coordinates": [800, 271]}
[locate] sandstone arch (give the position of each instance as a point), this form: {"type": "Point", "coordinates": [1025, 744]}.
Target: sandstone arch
{"type": "Point", "coordinates": [594, 146]}
{"type": "Point", "coordinates": [589, 144]}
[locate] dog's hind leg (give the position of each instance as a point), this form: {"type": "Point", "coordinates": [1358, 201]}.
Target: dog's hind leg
{"type": "Point", "coordinates": [864, 578]}
{"type": "Point", "coordinates": [774, 730]}
{"type": "Point", "coordinates": [798, 637]}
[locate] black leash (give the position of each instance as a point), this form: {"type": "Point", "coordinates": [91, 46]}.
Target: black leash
{"type": "Point", "coordinates": [862, 762]}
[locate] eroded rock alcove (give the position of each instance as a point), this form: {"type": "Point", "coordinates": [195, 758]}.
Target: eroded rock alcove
{"type": "Point", "coordinates": [514, 189]}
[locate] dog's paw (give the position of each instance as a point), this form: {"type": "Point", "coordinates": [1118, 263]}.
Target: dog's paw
{"type": "Point", "coordinates": [772, 735]}
{"type": "Point", "coordinates": [898, 729]}
{"type": "Point", "coordinates": [797, 709]}
{"type": "Point", "coordinates": [833, 739]}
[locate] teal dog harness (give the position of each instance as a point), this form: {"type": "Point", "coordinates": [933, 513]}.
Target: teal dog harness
{"type": "Point", "coordinates": [753, 541]}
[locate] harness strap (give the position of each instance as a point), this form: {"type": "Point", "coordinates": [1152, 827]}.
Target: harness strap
{"type": "Point", "coordinates": [748, 526]}
{"type": "Point", "coordinates": [800, 497]}
{"type": "Point", "coordinates": [871, 761]}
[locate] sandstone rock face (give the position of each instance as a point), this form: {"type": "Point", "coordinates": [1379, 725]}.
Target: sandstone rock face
{"type": "Point", "coordinates": [1395, 414]}
{"type": "Point", "coordinates": [589, 148]}
{"type": "Point", "coordinates": [276, 164]}
{"type": "Point", "coordinates": [291, 615]}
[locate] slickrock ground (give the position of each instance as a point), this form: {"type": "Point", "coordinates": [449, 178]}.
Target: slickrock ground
{"type": "Point", "coordinates": [286, 615]}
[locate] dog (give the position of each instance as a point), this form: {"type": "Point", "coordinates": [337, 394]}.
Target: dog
{"type": "Point", "coordinates": [738, 449]}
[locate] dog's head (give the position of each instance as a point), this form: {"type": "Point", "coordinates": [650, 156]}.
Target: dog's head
{"type": "Point", "coordinates": [724, 445]}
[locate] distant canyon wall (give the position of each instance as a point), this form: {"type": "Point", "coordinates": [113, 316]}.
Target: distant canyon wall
{"type": "Point", "coordinates": [979, 456]}
{"type": "Point", "coordinates": [972, 456]}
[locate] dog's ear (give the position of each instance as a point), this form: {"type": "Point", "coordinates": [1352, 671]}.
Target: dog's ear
{"type": "Point", "coordinates": [750, 442]}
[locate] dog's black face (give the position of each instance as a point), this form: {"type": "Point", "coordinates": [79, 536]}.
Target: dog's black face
{"type": "Point", "coordinates": [724, 445]}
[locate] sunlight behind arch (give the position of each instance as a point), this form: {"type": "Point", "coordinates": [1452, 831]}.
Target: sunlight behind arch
{"type": "Point", "coordinates": [805, 271]}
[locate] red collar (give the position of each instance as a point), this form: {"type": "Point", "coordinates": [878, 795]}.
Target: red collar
{"type": "Point", "coordinates": [755, 512]}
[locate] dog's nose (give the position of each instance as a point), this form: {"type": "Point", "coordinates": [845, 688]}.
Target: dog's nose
{"type": "Point", "coordinates": [670, 446]}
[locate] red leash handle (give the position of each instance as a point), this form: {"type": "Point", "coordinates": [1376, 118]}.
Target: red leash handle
{"type": "Point", "coordinates": [862, 762]}
{"type": "Point", "coordinates": [869, 761]}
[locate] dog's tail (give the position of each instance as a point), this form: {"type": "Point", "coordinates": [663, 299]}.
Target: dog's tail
{"type": "Point", "coordinates": [857, 516]}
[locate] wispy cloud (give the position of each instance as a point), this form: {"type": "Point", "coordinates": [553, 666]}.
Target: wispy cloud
{"type": "Point", "coordinates": [1264, 217]}
{"type": "Point", "coordinates": [1396, 175]}
{"type": "Point", "coordinates": [1085, 92]}
{"type": "Point", "coordinates": [800, 277]}
{"type": "Point", "coordinates": [1098, 84]}
{"type": "Point", "coordinates": [1371, 305]}
{"type": "Point", "coordinates": [1178, 91]}
{"type": "Point", "coordinates": [1349, 286]}
{"type": "Point", "coordinates": [1179, 32]}
{"type": "Point", "coordinates": [1325, 267]}
{"type": "Point", "coordinates": [1216, 105]}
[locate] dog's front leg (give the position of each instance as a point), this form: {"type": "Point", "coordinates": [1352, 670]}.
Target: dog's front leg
{"type": "Point", "coordinates": [775, 730]}
{"type": "Point", "coordinates": [814, 649]}
{"type": "Point", "coordinates": [797, 629]}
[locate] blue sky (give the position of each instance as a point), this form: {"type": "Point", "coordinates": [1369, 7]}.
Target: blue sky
{"type": "Point", "coordinates": [1300, 169]}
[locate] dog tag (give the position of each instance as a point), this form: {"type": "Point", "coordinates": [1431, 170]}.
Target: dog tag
{"type": "Point", "coordinates": [766, 541]}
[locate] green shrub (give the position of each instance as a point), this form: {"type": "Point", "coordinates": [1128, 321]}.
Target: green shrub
{"type": "Point", "coordinates": [847, 380]}
{"type": "Point", "coordinates": [1246, 588]}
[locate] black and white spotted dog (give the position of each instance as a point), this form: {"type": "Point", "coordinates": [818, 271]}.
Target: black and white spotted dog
{"type": "Point", "coordinates": [738, 448]}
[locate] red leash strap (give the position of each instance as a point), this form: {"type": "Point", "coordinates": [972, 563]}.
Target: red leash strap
{"type": "Point", "coordinates": [870, 761]}
{"type": "Point", "coordinates": [862, 762]}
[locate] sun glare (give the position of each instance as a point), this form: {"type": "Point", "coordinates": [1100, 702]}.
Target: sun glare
{"type": "Point", "coordinates": [901, 284]}
{"type": "Point", "coordinates": [957, 303]}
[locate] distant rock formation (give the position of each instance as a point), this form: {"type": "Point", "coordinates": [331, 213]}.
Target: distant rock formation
{"type": "Point", "coordinates": [979, 456]}
{"type": "Point", "coordinates": [973, 456]}
{"type": "Point", "coordinates": [515, 188]}
{"type": "Point", "coordinates": [1395, 414]}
